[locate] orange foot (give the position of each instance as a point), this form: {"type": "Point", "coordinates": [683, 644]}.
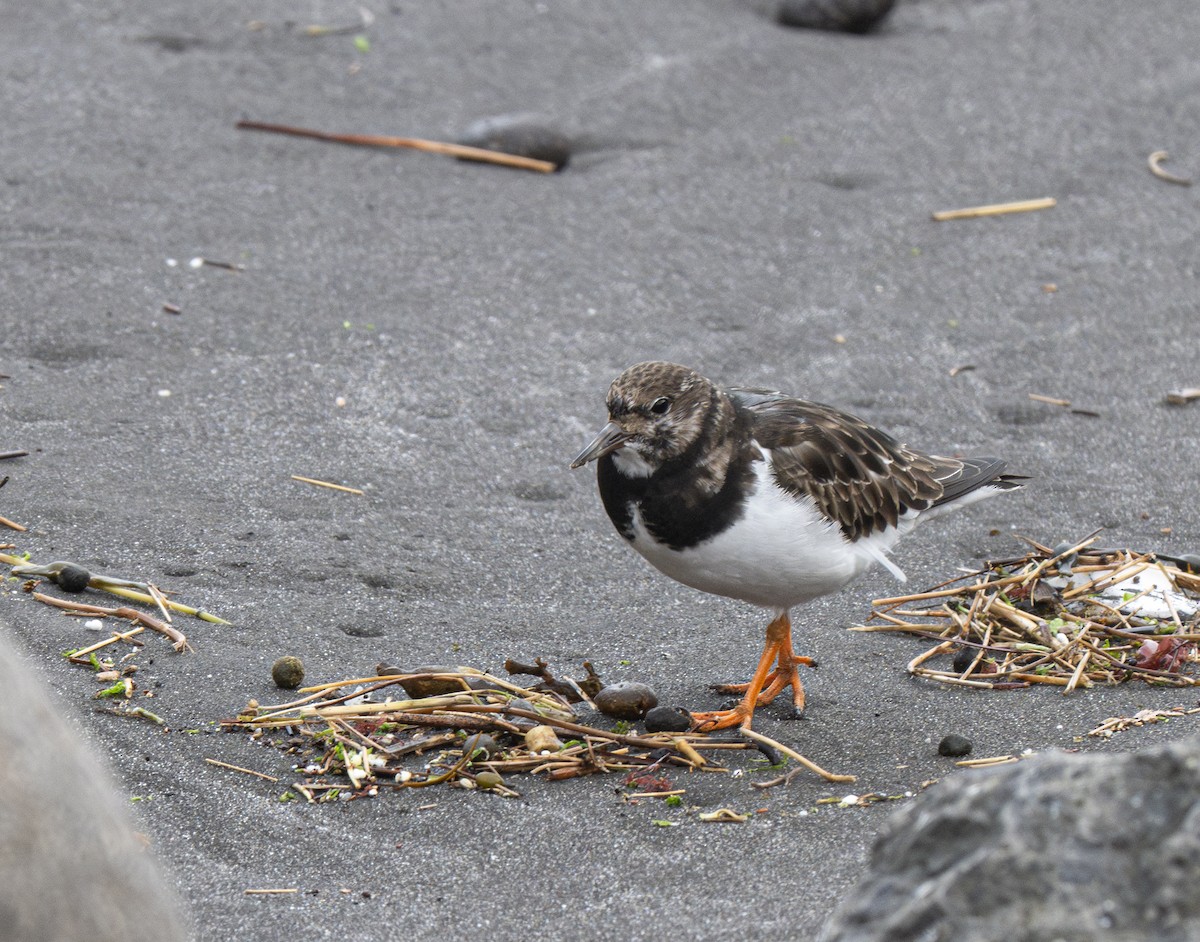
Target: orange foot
{"type": "Point", "coordinates": [766, 684]}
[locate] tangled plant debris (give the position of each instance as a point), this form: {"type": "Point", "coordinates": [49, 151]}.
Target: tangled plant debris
{"type": "Point", "coordinates": [1070, 616]}
{"type": "Point", "coordinates": [473, 730]}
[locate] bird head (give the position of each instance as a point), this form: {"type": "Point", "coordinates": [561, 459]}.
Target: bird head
{"type": "Point", "coordinates": [656, 411]}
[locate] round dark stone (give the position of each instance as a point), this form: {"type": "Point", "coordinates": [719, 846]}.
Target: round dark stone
{"type": "Point", "coordinates": [664, 719]}
{"type": "Point", "coordinates": [954, 745]}
{"type": "Point", "coordinates": [626, 700]}
{"type": "Point", "coordinates": [849, 16]}
{"type": "Point", "coordinates": [73, 578]}
{"type": "Point", "coordinates": [963, 659]}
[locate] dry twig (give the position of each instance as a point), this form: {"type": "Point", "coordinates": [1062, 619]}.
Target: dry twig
{"type": "Point", "coordinates": [995, 209]}
{"type": "Point", "coordinates": [461, 151]}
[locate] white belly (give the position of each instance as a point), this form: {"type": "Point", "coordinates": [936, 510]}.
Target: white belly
{"type": "Point", "coordinates": [780, 553]}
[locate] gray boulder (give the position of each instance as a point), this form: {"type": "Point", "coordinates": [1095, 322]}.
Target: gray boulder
{"type": "Point", "coordinates": [71, 866]}
{"type": "Point", "coordinates": [1061, 847]}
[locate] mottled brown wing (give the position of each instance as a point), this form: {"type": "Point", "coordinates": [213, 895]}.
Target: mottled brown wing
{"type": "Point", "coordinates": [859, 477]}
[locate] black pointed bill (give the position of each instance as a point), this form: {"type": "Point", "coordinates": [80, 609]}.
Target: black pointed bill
{"type": "Point", "coordinates": [611, 437]}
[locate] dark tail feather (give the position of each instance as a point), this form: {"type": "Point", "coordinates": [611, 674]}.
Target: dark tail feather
{"type": "Point", "coordinates": [975, 473]}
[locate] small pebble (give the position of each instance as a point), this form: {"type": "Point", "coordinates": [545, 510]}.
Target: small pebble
{"type": "Point", "coordinates": [480, 743]}
{"type": "Point", "coordinates": [488, 780]}
{"type": "Point", "coordinates": [520, 134]}
{"type": "Point", "coordinates": [849, 16]}
{"type": "Point", "coordinates": [420, 687]}
{"type": "Point", "coordinates": [288, 672]}
{"type": "Point", "coordinates": [664, 719]}
{"type": "Point", "coordinates": [626, 700]}
{"type": "Point", "coordinates": [954, 745]}
{"type": "Point", "coordinates": [542, 739]}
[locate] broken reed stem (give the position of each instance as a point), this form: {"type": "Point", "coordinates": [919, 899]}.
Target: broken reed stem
{"type": "Point", "coordinates": [329, 484]}
{"type": "Point", "coordinates": [1167, 595]}
{"type": "Point", "coordinates": [987, 761]}
{"type": "Point", "coordinates": [1053, 559]}
{"type": "Point", "coordinates": [1113, 576]}
{"type": "Point", "coordinates": [995, 209]}
{"type": "Point", "coordinates": [535, 696]}
{"type": "Point", "coordinates": [238, 768]}
{"type": "Point", "coordinates": [12, 525]}
{"type": "Point", "coordinates": [920, 659]}
{"type": "Point", "coordinates": [283, 708]}
{"type": "Point", "coordinates": [458, 673]}
{"type": "Point", "coordinates": [117, 636]}
{"type": "Point", "coordinates": [949, 677]}
{"type": "Point", "coordinates": [948, 593]}
{"type": "Point", "coordinates": [1077, 674]}
{"type": "Point", "coordinates": [685, 749]}
{"type": "Point", "coordinates": [387, 706]}
{"type": "Point", "coordinates": [792, 754]}
{"type": "Point", "coordinates": [334, 685]}
{"type": "Point", "coordinates": [461, 151]}
{"type": "Point", "coordinates": [136, 596]}
{"type": "Point", "coordinates": [1039, 678]}
{"type": "Point", "coordinates": [900, 626]}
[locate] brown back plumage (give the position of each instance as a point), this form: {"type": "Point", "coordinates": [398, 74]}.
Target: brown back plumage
{"type": "Point", "coordinates": [859, 477]}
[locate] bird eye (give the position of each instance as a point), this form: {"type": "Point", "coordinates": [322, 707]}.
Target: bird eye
{"type": "Point", "coordinates": [660, 405]}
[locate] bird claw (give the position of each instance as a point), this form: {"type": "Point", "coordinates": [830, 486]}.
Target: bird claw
{"type": "Point", "coordinates": [710, 721]}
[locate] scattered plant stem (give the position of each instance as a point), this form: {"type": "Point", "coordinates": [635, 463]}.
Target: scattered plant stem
{"type": "Point", "coordinates": [995, 209]}
{"type": "Point", "coordinates": [1155, 162]}
{"type": "Point", "coordinates": [461, 151]}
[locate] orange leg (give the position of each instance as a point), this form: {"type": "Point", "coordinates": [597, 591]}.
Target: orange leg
{"type": "Point", "coordinates": [767, 682]}
{"type": "Point", "coordinates": [783, 675]}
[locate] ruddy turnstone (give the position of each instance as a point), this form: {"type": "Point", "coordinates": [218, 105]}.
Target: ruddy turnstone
{"type": "Point", "coordinates": [761, 497]}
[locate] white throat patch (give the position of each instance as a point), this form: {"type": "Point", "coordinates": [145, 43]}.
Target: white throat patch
{"type": "Point", "coordinates": [629, 462]}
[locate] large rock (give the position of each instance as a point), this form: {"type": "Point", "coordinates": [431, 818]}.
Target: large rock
{"type": "Point", "coordinates": [71, 866]}
{"type": "Point", "coordinates": [1061, 847]}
